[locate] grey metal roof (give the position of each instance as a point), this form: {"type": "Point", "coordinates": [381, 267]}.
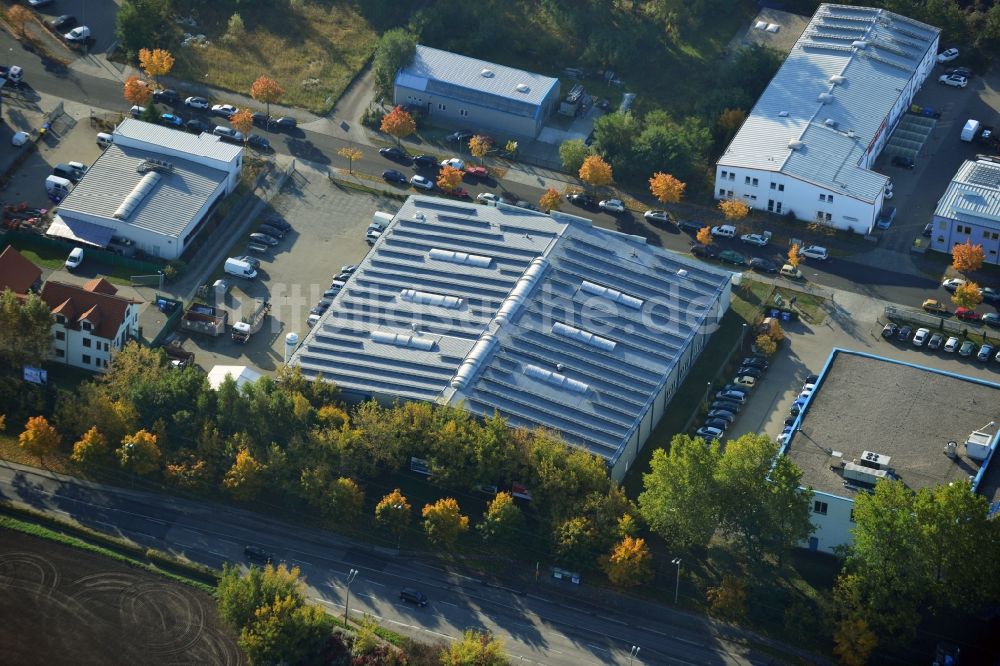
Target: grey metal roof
{"type": "Point", "coordinates": [462, 77]}
{"type": "Point", "coordinates": [546, 319]}
{"type": "Point", "coordinates": [973, 195]}
{"type": "Point", "coordinates": [204, 144]}
{"type": "Point", "coordinates": [832, 95]}
{"type": "Point", "coordinates": [168, 207]}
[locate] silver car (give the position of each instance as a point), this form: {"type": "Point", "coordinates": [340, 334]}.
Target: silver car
{"type": "Point", "coordinates": [263, 238]}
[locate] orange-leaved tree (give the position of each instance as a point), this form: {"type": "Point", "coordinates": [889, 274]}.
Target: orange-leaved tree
{"type": "Point", "coordinates": [966, 257]}
{"type": "Point", "coordinates": [967, 295]}
{"type": "Point", "coordinates": [156, 62]}
{"type": "Point", "coordinates": [242, 122]}
{"type": "Point", "coordinates": [630, 563]}
{"type": "Point", "coordinates": [551, 199]}
{"type": "Point", "coordinates": [479, 145]}
{"type": "Point", "coordinates": [734, 209]}
{"type": "Point", "coordinates": [666, 188]}
{"type": "Point", "coordinates": [793, 255]}
{"type": "Point", "coordinates": [137, 91]}
{"type": "Point", "coordinates": [704, 235]}
{"type": "Point", "coordinates": [449, 179]}
{"type": "Point", "coordinates": [351, 153]}
{"type": "Point", "coordinates": [398, 123]}
{"type": "Point", "coordinates": [596, 172]}
{"type": "Point", "coordinates": [39, 437]}
{"type": "Point", "coordinates": [91, 449]}
{"type": "Point", "coordinates": [245, 479]}
{"type": "Point", "coordinates": [139, 453]}
{"type": "Point", "coordinates": [265, 89]}
{"type": "Point", "coordinates": [18, 17]}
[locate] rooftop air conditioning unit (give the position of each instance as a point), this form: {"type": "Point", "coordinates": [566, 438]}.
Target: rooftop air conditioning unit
{"type": "Point", "coordinates": [837, 78]}
{"type": "Point", "coordinates": [825, 98]}
{"type": "Point", "coordinates": [522, 88]}
{"type": "Point", "coordinates": [487, 73]}
{"type": "Point", "coordinates": [863, 474]}
{"type": "Point", "coordinates": [783, 114]}
{"type": "Point", "coordinates": [977, 446]}
{"type": "Point", "coordinates": [860, 44]}
{"type": "Point", "coordinates": [874, 460]}
{"type": "Point", "coordinates": [830, 122]}
{"type": "Point", "coordinates": [795, 144]}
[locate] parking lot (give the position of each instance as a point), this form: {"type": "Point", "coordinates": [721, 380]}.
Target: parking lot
{"type": "Point", "coordinates": [328, 230]}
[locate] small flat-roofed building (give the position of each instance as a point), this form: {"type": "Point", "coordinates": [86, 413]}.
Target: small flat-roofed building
{"type": "Point", "coordinates": [154, 186]}
{"type": "Point", "coordinates": [872, 418]}
{"type": "Point", "coordinates": [546, 319]}
{"type": "Point", "coordinates": [808, 145]}
{"type": "Point", "coordinates": [969, 210]}
{"type": "Point", "coordinates": [458, 90]}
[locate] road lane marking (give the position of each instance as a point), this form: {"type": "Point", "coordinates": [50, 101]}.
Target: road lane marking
{"type": "Point", "coordinates": [374, 582]}
{"type": "Point", "coordinates": [598, 647]}
{"type": "Point", "coordinates": [448, 603]}
{"type": "Point", "coordinates": [684, 640]}
{"type": "Point", "coordinates": [438, 633]}
{"type": "Point", "coordinates": [363, 594]}
{"type": "Point", "coordinates": [611, 619]}
{"type": "Point", "coordinates": [652, 631]}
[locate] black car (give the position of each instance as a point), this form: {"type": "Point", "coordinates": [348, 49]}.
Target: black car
{"type": "Point", "coordinates": [395, 154]}
{"type": "Point", "coordinates": [198, 126]}
{"type": "Point", "coordinates": [167, 96]}
{"type": "Point", "coordinates": [811, 379]}
{"type": "Point", "coordinates": [259, 142]}
{"type": "Point", "coordinates": [460, 136]}
{"type": "Point", "coordinates": [960, 71]}
{"type": "Point", "coordinates": [581, 199]}
{"type": "Point", "coordinates": [259, 119]}
{"type": "Point", "coordinates": [763, 265]}
{"type": "Point", "coordinates": [727, 405]}
{"type": "Point", "coordinates": [271, 231]}
{"type": "Point", "coordinates": [255, 554]}
{"type": "Point", "coordinates": [754, 362]}
{"type": "Point", "coordinates": [690, 226]}
{"type": "Point", "coordinates": [904, 333]}
{"type": "Point", "coordinates": [63, 23]}
{"type": "Point", "coordinates": [721, 424]}
{"type": "Point", "coordinates": [749, 371]}
{"type": "Point", "coordinates": [904, 162]}
{"type": "Point", "coordinates": [723, 414]}
{"type": "Point", "coordinates": [321, 307]}
{"type": "Point", "coordinates": [889, 331]}
{"type": "Point", "coordinates": [790, 421]}
{"type": "Point", "coordinates": [705, 251]}
{"type": "Point", "coordinates": [278, 222]}
{"type": "Point", "coordinates": [426, 162]}
{"type": "Point", "coordinates": [393, 176]}
{"type": "Point", "coordinates": [413, 596]}
{"type": "Point", "coordinates": [286, 123]}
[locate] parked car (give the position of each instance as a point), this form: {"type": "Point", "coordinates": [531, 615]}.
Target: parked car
{"type": "Point", "coordinates": [728, 405]}
{"type": "Point", "coordinates": [171, 119]}
{"type": "Point", "coordinates": [690, 226]}
{"type": "Point", "coordinates": [721, 414]}
{"type": "Point", "coordinates": [745, 380]}
{"type": "Point", "coordinates": [985, 353]}
{"type": "Point", "coordinates": [724, 231]}
{"type": "Point", "coordinates": [989, 294]}
{"type": "Point", "coordinates": [814, 252]}
{"type": "Point", "coordinates": [228, 134]}
{"type": "Point", "coordinates": [890, 330]}
{"type": "Point", "coordinates": [732, 394]}
{"type": "Point", "coordinates": [457, 193]}
{"type": "Point", "coordinates": [581, 199]}
{"type": "Point", "coordinates": [967, 314]}
{"type": "Point", "coordinates": [968, 348]}
{"type": "Point", "coordinates": [904, 333]}
{"type": "Point", "coordinates": [425, 162]}
{"type": "Point", "coordinates": [718, 424]}
{"type": "Point", "coordinates": [286, 123]}
{"type": "Point", "coordinates": [791, 272]}
{"type": "Point", "coordinates": [904, 162]}
{"type": "Point", "coordinates": [253, 261]}
{"type": "Point", "coordinates": [920, 337]}
{"type": "Point", "coordinates": [259, 118]}
{"type": "Point", "coordinates": [454, 163]}
{"type": "Point", "coordinates": [935, 306]}
{"type": "Point", "coordinates": [258, 237]}
{"type": "Point", "coordinates": [732, 257]}
{"type": "Point", "coordinates": [393, 176]}
{"type": "Point", "coordinates": [705, 251]}
{"type": "Point", "coordinates": [196, 102]}
{"type": "Point", "coordinates": [278, 222]}
{"type": "Point", "coordinates": [74, 259]}
{"type": "Point", "coordinates": [63, 22]}
{"type": "Point", "coordinates": [198, 126]}
{"type": "Point", "coordinates": [166, 96]}
{"type": "Point", "coordinates": [961, 71]}
{"type": "Point", "coordinates": [755, 361]}
{"type": "Point", "coordinates": [991, 319]}
{"type": "Point", "coordinates": [935, 341]}
{"type": "Point", "coordinates": [657, 216]}
{"type": "Point", "coordinates": [760, 240]}
{"type": "Point", "coordinates": [749, 371]}
{"type": "Point", "coordinates": [349, 268]}
{"type": "Point", "coordinates": [227, 111]}
{"type": "Point", "coordinates": [395, 154]}
{"type": "Point", "coordinates": [321, 307]}
{"type": "Point", "coordinates": [413, 596]}
{"type": "Point", "coordinates": [259, 143]}
{"type": "Point", "coordinates": [271, 231]}
{"type": "Point", "coordinates": [135, 110]}
{"type": "Point", "coordinates": [951, 284]}
{"type": "Point", "coordinates": [951, 345]}
{"type": "Point", "coordinates": [460, 136]}
{"type": "Point", "coordinates": [372, 235]}
{"type": "Point", "coordinates": [422, 183]}
{"type": "Point", "coordinates": [947, 55]}
{"type": "Point", "coordinates": [612, 206]}
{"type": "Point", "coordinates": [708, 433]}
{"type": "Point", "coordinates": [81, 33]}
{"type": "Point", "coordinates": [953, 80]}
{"type": "Point", "coordinates": [762, 265]}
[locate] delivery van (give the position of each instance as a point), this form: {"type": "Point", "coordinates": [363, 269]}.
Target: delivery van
{"type": "Point", "coordinates": [58, 186]}
{"type": "Point", "coordinates": [104, 139]}
{"type": "Point", "coordinates": [381, 219]}
{"type": "Point", "coordinates": [240, 268]}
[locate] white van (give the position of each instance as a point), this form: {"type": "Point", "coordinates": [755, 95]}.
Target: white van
{"type": "Point", "coordinates": [58, 185]}
{"type": "Point", "coordinates": [815, 252]}
{"type": "Point", "coordinates": [382, 220]}
{"type": "Point", "coordinates": [104, 139]}
{"type": "Point", "coordinates": [240, 268]}
{"type": "Point", "coordinates": [725, 231]}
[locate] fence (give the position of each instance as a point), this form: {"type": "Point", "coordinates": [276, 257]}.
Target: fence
{"type": "Point", "coordinates": [919, 318]}
{"type": "Point", "coordinates": [26, 239]}
{"type": "Point", "coordinates": [172, 318]}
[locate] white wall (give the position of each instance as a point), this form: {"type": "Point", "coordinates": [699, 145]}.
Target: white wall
{"type": "Point", "coordinates": [834, 528]}
{"type": "Point", "coordinates": [947, 232]}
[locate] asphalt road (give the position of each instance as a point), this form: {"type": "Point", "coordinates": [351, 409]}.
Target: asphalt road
{"type": "Point", "coordinates": [539, 624]}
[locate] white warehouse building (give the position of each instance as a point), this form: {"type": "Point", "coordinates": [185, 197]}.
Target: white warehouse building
{"type": "Point", "coordinates": [545, 319]}
{"type": "Point", "coordinates": [807, 147]}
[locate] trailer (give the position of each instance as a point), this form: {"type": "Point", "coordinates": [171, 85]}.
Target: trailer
{"type": "Point", "coordinates": [200, 318]}
{"type": "Point", "coordinates": [251, 323]}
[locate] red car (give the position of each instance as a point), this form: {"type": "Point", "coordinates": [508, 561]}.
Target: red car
{"type": "Point", "coordinates": [967, 314]}
{"type": "Point", "coordinates": [477, 172]}
{"type": "Point", "coordinates": [460, 193]}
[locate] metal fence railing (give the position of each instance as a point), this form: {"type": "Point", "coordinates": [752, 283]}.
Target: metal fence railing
{"type": "Point", "coordinates": [923, 319]}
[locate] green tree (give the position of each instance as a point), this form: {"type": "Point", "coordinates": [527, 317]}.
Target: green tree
{"type": "Point", "coordinates": [503, 522]}
{"type": "Point", "coordinates": [787, 505]}
{"type": "Point", "coordinates": [236, 30]}
{"type": "Point", "coordinates": [560, 476]}
{"type": "Point", "coordinates": [144, 23]}
{"type": "Point", "coordinates": [91, 450]}
{"type": "Point", "coordinates": [630, 563]}
{"type": "Point", "coordinates": [615, 135]}
{"type": "Point", "coordinates": [572, 153]}
{"type": "Point", "coordinates": [240, 595]}
{"type": "Point", "coordinates": [680, 494]}
{"type": "Point", "coordinates": [444, 522]}
{"type": "Point", "coordinates": [475, 649]}
{"type": "Point", "coordinates": [576, 543]}
{"type": "Point", "coordinates": [394, 51]}
{"type": "Point", "coordinates": [25, 330]}
{"type": "Point", "coordinates": [139, 453]}
{"type": "Point", "coordinates": [681, 147]}
{"type": "Point", "coordinates": [285, 631]}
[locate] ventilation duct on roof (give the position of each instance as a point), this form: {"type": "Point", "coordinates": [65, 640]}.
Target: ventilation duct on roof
{"type": "Point", "coordinates": [585, 337]}
{"type": "Point", "coordinates": [400, 340]}
{"type": "Point", "coordinates": [541, 374]}
{"type": "Point", "coordinates": [139, 192]}
{"type": "Point", "coordinates": [830, 122]}
{"type": "Point", "coordinates": [783, 114]}
{"type": "Point", "coordinates": [522, 88]}
{"type": "Point", "coordinates": [473, 361]}
{"type": "Point", "coordinates": [825, 98]}
{"type": "Point", "coordinates": [611, 294]}
{"type": "Point", "coordinates": [837, 78]}
{"type": "Point", "coordinates": [520, 291]}
{"type": "Point", "coordinates": [487, 73]}
{"type": "Point", "coordinates": [453, 257]}
{"type": "Point", "coordinates": [860, 44]}
{"type": "Point", "coordinates": [795, 144]}
{"type": "Point", "coordinates": [427, 298]}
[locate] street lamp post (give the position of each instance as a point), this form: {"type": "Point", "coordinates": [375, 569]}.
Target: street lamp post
{"type": "Point", "coordinates": [677, 586]}
{"type": "Point", "coordinates": [633, 654]}
{"type": "Point", "coordinates": [351, 575]}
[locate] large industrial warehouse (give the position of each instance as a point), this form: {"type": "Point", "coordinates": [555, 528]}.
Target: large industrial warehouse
{"type": "Point", "coordinates": [545, 319]}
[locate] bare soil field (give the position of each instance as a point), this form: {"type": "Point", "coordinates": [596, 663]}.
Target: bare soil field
{"type": "Point", "coordinates": [61, 605]}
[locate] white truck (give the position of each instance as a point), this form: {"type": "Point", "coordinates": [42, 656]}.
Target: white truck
{"type": "Point", "coordinates": [971, 130]}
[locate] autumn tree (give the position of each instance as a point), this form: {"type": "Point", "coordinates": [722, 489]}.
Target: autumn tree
{"type": "Point", "coordinates": [853, 641]}
{"type": "Point", "coordinates": [765, 345]}
{"type": "Point", "coordinates": [18, 16]}
{"type": "Point", "coordinates": [265, 89]}
{"type": "Point", "coordinates": [444, 522]}
{"type": "Point", "coordinates": [550, 200]}
{"type": "Point", "coordinates": [137, 92]}
{"type": "Point", "coordinates": [572, 153]}
{"type": "Point", "coordinates": [503, 521]}
{"type": "Point", "coordinates": [733, 209]}
{"type": "Point", "coordinates": [595, 171]}
{"type": "Point", "coordinates": [350, 153]}
{"type": "Point", "coordinates": [393, 513]}
{"type": "Point", "coordinates": [156, 62]}
{"type": "Point", "coordinates": [39, 438]}
{"type": "Point", "coordinates": [139, 453]}
{"type": "Point", "coordinates": [246, 477]}
{"type": "Point", "coordinates": [729, 122]}
{"type": "Point", "coordinates": [666, 188]}
{"type": "Point", "coordinates": [630, 563]}
{"type": "Point", "coordinates": [967, 295]}
{"type": "Point", "coordinates": [479, 146]}
{"type": "Point", "coordinates": [704, 235]}
{"type": "Point", "coordinates": [91, 450]}
{"type": "Point", "coordinates": [399, 123]}
{"type": "Point", "coordinates": [242, 122]}
{"type": "Point", "coordinates": [729, 599]}
{"type": "Point", "coordinates": [449, 179]}
{"type": "Point", "coordinates": [966, 257]}
{"type": "Point", "coordinates": [793, 255]}
{"type": "Point", "coordinates": [475, 648]}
